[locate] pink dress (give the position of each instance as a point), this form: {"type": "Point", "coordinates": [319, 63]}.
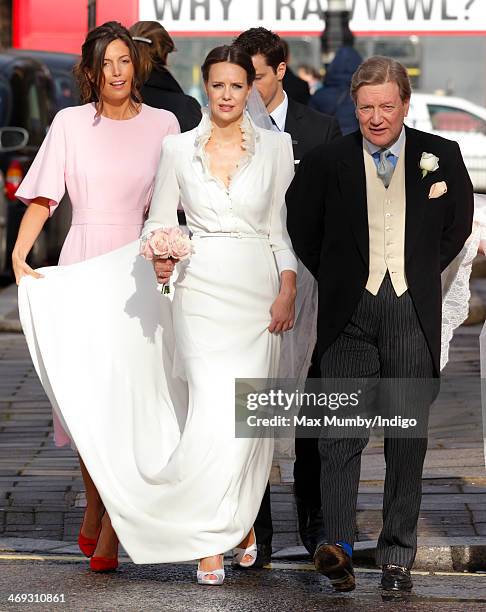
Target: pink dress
{"type": "Point", "coordinates": [108, 168]}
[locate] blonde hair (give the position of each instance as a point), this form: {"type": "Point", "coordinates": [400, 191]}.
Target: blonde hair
{"type": "Point", "coordinates": [155, 47]}
{"type": "Point", "coordinates": [378, 70]}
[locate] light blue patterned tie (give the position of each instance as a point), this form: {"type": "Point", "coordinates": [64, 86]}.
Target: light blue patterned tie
{"type": "Point", "coordinates": [385, 167]}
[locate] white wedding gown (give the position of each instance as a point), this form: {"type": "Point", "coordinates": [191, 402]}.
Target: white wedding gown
{"type": "Point", "coordinates": [144, 382]}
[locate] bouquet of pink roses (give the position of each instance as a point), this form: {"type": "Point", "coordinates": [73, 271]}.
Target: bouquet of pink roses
{"type": "Point", "coordinates": [166, 243]}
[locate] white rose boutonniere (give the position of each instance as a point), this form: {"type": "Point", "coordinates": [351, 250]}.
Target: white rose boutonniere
{"type": "Point", "coordinates": [428, 163]}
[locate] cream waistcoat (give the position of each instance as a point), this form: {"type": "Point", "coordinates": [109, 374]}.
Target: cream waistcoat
{"type": "Point", "coordinates": [386, 223]}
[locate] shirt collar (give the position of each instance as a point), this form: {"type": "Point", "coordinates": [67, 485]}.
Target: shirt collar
{"type": "Point", "coordinates": [279, 114]}
{"type": "Point", "coordinates": [395, 149]}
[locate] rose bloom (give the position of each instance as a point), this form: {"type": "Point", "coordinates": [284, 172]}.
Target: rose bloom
{"type": "Point", "coordinates": [159, 242]}
{"type": "Point", "coordinates": [429, 162]}
{"type": "Point", "coordinates": [180, 244]}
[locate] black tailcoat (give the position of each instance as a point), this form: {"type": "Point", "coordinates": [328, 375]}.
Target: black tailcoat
{"type": "Point", "coordinates": [327, 221]}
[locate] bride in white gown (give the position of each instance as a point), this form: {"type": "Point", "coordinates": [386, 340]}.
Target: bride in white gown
{"type": "Point", "coordinates": [123, 365]}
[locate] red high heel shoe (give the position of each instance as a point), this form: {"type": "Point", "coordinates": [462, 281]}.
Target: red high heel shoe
{"type": "Point", "coordinates": [87, 545]}
{"type": "Point", "coordinates": [102, 564]}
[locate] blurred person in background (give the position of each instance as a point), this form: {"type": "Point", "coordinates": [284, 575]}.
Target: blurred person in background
{"type": "Point", "coordinates": [311, 76]}
{"type": "Point", "coordinates": [160, 89]}
{"type": "Point", "coordinates": [334, 97]}
{"type": "Point", "coordinates": [297, 88]}
{"type": "Point", "coordinates": [94, 151]}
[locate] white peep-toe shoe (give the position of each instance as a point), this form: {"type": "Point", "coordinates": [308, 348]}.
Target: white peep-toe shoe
{"type": "Point", "coordinates": [240, 553]}
{"type": "Point", "coordinates": [203, 577]}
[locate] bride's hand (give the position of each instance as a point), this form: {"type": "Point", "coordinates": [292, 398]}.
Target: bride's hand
{"type": "Point", "coordinates": [283, 309]}
{"type": "Point", "coordinates": [163, 269]}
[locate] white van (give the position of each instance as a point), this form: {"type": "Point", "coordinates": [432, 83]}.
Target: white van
{"type": "Point", "coordinates": [458, 120]}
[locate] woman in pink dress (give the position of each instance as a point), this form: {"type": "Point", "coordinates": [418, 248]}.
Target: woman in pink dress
{"type": "Point", "coordinates": [106, 154]}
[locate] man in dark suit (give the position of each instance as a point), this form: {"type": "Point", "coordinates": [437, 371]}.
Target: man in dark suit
{"type": "Point", "coordinates": [295, 87]}
{"type": "Point", "coordinates": [308, 128]}
{"type": "Point", "coordinates": [376, 217]}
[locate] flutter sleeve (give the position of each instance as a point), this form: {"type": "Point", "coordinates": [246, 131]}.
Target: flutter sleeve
{"type": "Point", "coordinates": [173, 126]}
{"type": "Point", "coordinates": [279, 238]}
{"type": "Point", "coordinates": [46, 175]}
{"type": "Point", "coordinates": [166, 194]}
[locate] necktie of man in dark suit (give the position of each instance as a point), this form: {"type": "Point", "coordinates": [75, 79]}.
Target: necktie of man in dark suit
{"type": "Point", "coordinates": [274, 123]}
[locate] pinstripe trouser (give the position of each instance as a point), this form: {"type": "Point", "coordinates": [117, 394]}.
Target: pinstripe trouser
{"type": "Point", "coordinates": [383, 339]}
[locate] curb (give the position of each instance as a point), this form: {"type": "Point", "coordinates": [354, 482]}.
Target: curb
{"type": "Point", "coordinates": [439, 555]}
{"type": "Point", "coordinates": [13, 545]}
{"type": "Point", "coordinates": [433, 554]}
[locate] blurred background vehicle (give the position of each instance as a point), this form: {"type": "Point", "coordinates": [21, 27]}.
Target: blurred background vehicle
{"type": "Point", "coordinates": [456, 119]}
{"type": "Point", "coordinates": [64, 93]}
{"type": "Point", "coordinates": [60, 66]}
{"type": "Point", "coordinates": [35, 85]}
{"type": "Point", "coordinates": [11, 139]}
{"type": "Point", "coordinates": [26, 85]}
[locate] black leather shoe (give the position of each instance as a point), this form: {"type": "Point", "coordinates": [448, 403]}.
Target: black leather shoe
{"type": "Point", "coordinates": [396, 578]}
{"type": "Point", "coordinates": [264, 555]}
{"type": "Point", "coordinates": [311, 530]}
{"type": "Point", "coordinates": [334, 562]}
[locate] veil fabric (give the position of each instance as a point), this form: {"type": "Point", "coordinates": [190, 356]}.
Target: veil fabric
{"type": "Point", "coordinates": [258, 111]}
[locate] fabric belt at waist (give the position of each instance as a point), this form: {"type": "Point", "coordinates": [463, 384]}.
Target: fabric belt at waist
{"type": "Point", "coordinates": [228, 235]}
{"type": "Point", "coordinates": [89, 216]}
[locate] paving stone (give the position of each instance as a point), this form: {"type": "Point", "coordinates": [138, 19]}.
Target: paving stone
{"type": "Point", "coordinates": [280, 488]}
{"type": "Point", "coordinates": [42, 487]}
{"type": "Point", "coordinates": [18, 496]}
{"type": "Point", "coordinates": [445, 518]}
{"type": "Point", "coordinates": [28, 544]}
{"type": "Point", "coordinates": [19, 518]}
{"type": "Point", "coordinates": [480, 529]}
{"type": "Point", "coordinates": [49, 518]}
{"type": "Point", "coordinates": [480, 488]}
{"type": "Point", "coordinates": [283, 506]}
{"type": "Point", "coordinates": [13, 528]}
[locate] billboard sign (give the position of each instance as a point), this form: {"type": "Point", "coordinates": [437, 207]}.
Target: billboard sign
{"type": "Point", "coordinates": [306, 16]}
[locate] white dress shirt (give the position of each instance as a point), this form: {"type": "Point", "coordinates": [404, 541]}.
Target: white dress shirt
{"type": "Point", "coordinates": [279, 115]}
{"type": "Point", "coordinates": [395, 149]}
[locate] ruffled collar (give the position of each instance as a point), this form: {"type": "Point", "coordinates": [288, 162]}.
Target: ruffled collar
{"type": "Point", "coordinates": [250, 137]}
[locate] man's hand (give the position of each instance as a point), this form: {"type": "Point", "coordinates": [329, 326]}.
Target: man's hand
{"type": "Point", "coordinates": [163, 269]}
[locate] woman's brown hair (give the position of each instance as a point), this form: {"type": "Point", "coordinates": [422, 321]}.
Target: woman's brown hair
{"type": "Point", "coordinates": [232, 54]}
{"type": "Point", "coordinates": [153, 49]}
{"type": "Point", "coordinates": [89, 70]}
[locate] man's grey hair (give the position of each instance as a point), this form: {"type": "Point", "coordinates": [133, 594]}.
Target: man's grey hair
{"type": "Point", "coordinates": [378, 70]}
